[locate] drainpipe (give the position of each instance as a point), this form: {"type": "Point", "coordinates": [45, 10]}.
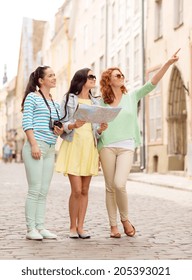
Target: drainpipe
{"type": "Point", "coordinates": [106, 35]}
{"type": "Point", "coordinates": [70, 31]}
{"type": "Point", "coordinates": [143, 150]}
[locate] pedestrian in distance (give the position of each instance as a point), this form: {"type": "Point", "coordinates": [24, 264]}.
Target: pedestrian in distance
{"type": "Point", "coordinates": [7, 152]}
{"type": "Point", "coordinates": [117, 143]}
{"type": "Point", "coordinates": [78, 155]}
{"type": "Point", "coordinates": [41, 125]}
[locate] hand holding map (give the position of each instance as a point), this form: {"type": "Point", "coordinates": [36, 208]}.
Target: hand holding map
{"type": "Point", "coordinates": [96, 114]}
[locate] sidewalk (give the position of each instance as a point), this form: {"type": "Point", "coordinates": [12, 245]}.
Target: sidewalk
{"type": "Point", "coordinates": [167, 180]}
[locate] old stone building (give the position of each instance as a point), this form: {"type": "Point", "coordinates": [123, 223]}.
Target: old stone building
{"type": "Point", "coordinates": [169, 133]}
{"type": "Point", "coordinates": [29, 58]}
{"type": "Point", "coordinates": [3, 118]}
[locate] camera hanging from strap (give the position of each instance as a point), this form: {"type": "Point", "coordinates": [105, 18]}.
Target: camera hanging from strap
{"type": "Point", "coordinates": [59, 119]}
{"type": "Point", "coordinates": [48, 104]}
{"type": "Point", "coordinates": [52, 123]}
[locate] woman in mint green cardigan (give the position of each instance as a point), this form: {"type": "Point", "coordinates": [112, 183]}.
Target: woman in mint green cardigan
{"type": "Point", "coordinates": [117, 143]}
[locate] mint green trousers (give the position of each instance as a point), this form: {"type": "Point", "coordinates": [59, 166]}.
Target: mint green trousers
{"type": "Point", "coordinates": [39, 174]}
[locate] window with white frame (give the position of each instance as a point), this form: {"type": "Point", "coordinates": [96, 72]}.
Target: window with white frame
{"type": "Point", "coordinates": [102, 22]}
{"type": "Point", "coordinates": [127, 10]}
{"type": "Point", "coordinates": [178, 13]}
{"type": "Point", "coordinates": [127, 60]}
{"type": "Point", "coordinates": [85, 37]}
{"type": "Point", "coordinates": [120, 14]}
{"type": "Point", "coordinates": [74, 49]}
{"type": "Point", "coordinates": [136, 6]}
{"type": "Point", "coordinates": [112, 61]}
{"type": "Point", "coordinates": [113, 20]}
{"type": "Point", "coordinates": [155, 113]}
{"type": "Point", "coordinates": [94, 29]}
{"type": "Point", "coordinates": [101, 64]}
{"type": "Point", "coordinates": [136, 57]}
{"type": "Point", "coordinates": [158, 19]}
{"type": "Point", "coordinates": [119, 59]}
{"type": "Point", "coordinates": [93, 67]}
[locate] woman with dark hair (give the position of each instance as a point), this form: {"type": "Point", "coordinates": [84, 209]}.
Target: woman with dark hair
{"type": "Point", "coordinates": [116, 144]}
{"type": "Point", "coordinates": [39, 114]}
{"type": "Point", "coordinates": [78, 156]}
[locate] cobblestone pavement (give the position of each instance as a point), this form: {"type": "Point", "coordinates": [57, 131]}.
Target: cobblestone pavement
{"type": "Point", "coordinates": [162, 217]}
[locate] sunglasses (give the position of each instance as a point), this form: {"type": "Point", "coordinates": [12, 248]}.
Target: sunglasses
{"type": "Point", "coordinates": [119, 76]}
{"type": "Point", "coordinates": [91, 77]}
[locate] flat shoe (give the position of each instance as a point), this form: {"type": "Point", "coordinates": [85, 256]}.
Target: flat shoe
{"type": "Point", "coordinates": [34, 235]}
{"type": "Point", "coordinates": [47, 234]}
{"type": "Point", "coordinates": [73, 235]}
{"type": "Point", "coordinates": [115, 235]}
{"type": "Point", "coordinates": [84, 235]}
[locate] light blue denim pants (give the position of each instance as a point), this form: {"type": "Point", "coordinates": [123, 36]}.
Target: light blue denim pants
{"type": "Point", "coordinates": [39, 174]}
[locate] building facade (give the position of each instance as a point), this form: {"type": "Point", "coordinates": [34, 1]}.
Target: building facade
{"type": "Point", "coordinates": [29, 58]}
{"type": "Point", "coordinates": [3, 118]}
{"type": "Point", "coordinates": [169, 133]}
{"type": "Point", "coordinates": [137, 36]}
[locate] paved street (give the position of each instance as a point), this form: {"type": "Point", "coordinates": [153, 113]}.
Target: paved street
{"type": "Point", "coordinates": [162, 217]}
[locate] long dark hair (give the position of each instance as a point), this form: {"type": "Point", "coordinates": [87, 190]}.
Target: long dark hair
{"type": "Point", "coordinates": [76, 85]}
{"type": "Point", "coordinates": [33, 82]}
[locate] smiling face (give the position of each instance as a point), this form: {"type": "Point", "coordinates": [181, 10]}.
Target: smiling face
{"type": "Point", "coordinates": [117, 79]}
{"type": "Point", "coordinates": [49, 79]}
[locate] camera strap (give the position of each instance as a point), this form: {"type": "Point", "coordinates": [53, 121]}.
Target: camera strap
{"type": "Point", "coordinates": [60, 119]}
{"type": "Point", "coordinates": [48, 104]}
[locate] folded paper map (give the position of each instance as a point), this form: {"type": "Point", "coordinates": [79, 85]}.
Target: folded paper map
{"type": "Point", "coordinates": [96, 114]}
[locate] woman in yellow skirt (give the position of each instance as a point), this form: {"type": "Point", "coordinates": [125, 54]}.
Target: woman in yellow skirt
{"type": "Point", "coordinates": [78, 156]}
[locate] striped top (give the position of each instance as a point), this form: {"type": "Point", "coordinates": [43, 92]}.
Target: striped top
{"type": "Point", "coordinates": [36, 116]}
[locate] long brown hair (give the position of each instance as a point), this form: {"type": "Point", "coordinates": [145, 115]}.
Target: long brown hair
{"type": "Point", "coordinates": [105, 87]}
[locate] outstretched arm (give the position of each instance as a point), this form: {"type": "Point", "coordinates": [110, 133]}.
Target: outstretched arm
{"type": "Point", "coordinates": [158, 76]}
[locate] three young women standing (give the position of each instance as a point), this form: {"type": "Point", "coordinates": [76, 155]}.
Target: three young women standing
{"type": "Point", "coordinates": [78, 156]}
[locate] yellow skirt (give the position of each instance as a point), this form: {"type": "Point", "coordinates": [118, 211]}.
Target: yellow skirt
{"type": "Point", "coordinates": [79, 157]}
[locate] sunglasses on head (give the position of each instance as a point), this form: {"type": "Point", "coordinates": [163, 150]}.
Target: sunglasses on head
{"type": "Point", "coordinates": [119, 76]}
{"type": "Point", "coordinates": [91, 77]}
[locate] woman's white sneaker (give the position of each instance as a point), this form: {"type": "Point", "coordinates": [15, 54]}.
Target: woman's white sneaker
{"type": "Point", "coordinates": [34, 235]}
{"type": "Point", "coordinates": [47, 234]}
